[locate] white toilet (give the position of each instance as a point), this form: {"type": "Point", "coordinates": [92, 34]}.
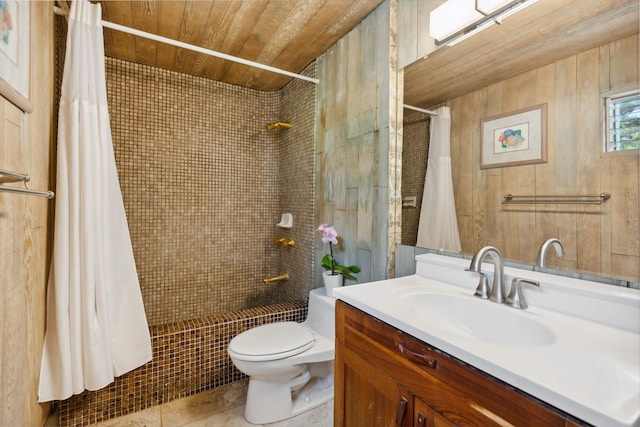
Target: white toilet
{"type": "Point", "coordinates": [289, 364]}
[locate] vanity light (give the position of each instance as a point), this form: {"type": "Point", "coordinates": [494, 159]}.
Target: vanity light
{"type": "Point", "coordinates": [457, 20]}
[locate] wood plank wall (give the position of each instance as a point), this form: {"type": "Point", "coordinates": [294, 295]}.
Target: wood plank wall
{"type": "Point", "coordinates": [25, 144]}
{"type": "Point", "coordinates": [355, 111]}
{"type": "Point", "coordinates": [602, 239]}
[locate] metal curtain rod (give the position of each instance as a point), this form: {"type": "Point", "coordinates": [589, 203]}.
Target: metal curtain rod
{"type": "Point", "coordinates": [422, 110]}
{"type": "Point", "coordinates": [6, 176]}
{"type": "Point", "coordinates": [586, 199]}
{"type": "Point", "coordinates": [59, 11]}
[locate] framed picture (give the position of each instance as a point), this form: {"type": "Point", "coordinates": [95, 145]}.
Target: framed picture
{"type": "Point", "coordinates": [516, 138]}
{"type": "Point", "coordinates": [15, 52]}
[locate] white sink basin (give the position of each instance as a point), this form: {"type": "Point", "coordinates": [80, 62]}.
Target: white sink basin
{"type": "Point", "coordinates": [577, 346]}
{"type": "Point", "coordinates": [477, 319]}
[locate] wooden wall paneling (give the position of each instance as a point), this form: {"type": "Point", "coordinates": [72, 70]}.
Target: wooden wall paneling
{"type": "Point", "coordinates": [474, 111]}
{"type": "Point", "coordinates": [354, 82]}
{"type": "Point", "coordinates": [588, 148]}
{"type": "Point", "coordinates": [194, 18]}
{"type": "Point", "coordinates": [494, 212]}
{"type": "Point", "coordinates": [565, 155]}
{"type": "Point", "coordinates": [624, 62]}
{"type": "Point", "coordinates": [231, 41]}
{"type": "Point", "coordinates": [144, 15]}
{"type": "Point", "coordinates": [215, 31]}
{"type": "Point", "coordinates": [123, 44]}
{"type": "Point", "coordinates": [465, 221]}
{"type": "Point", "coordinates": [625, 207]}
{"type": "Point", "coordinates": [340, 93]}
{"type": "Point", "coordinates": [511, 181]}
{"type": "Point", "coordinates": [527, 96]}
{"type": "Point", "coordinates": [168, 11]}
{"type": "Point", "coordinates": [414, 41]}
{"type": "Point", "coordinates": [494, 224]}
{"type": "Point", "coordinates": [426, 44]}
{"type": "Point", "coordinates": [308, 34]}
{"type": "Point", "coordinates": [605, 78]}
{"type": "Point", "coordinates": [605, 216]}
{"type": "Point", "coordinates": [624, 202]}
{"type": "Point", "coordinates": [266, 40]}
{"type": "Point", "coordinates": [596, 238]}
{"type": "Point", "coordinates": [463, 180]}
{"type": "Point", "coordinates": [275, 28]}
{"type": "Point", "coordinates": [408, 32]}
{"type": "Point", "coordinates": [545, 220]}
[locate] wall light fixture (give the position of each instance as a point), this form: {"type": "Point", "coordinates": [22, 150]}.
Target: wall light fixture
{"type": "Point", "coordinates": [456, 20]}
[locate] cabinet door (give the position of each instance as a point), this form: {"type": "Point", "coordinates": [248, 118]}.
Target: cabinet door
{"type": "Point", "coordinates": [425, 416]}
{"type": "Point", "coordinates": [365, 396]}
{"type": "Point", "coordinates": [373, 399]}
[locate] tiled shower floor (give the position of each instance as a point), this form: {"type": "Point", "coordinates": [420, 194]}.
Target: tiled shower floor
{"type": "Point", "coordinates": [222, 407]}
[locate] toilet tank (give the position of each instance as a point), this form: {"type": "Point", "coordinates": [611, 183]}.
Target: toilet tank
{"type": "Point", "coordinates": [321, 315]}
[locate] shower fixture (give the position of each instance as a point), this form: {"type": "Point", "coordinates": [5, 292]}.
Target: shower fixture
{"type": "Point", "coordinates": [280, 277]}
{"type": "Point", "coordinates": [283, 125]}
{"type": "Point", "coordinates": [284, 242]}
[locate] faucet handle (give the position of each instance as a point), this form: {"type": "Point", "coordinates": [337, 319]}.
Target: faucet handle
{"type": "Point", "coordinates": [483, 290]}
{"type": "Point", "coordinates": [516, 297]}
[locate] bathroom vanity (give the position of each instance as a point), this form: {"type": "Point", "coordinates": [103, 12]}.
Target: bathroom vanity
{"type": "Point", "coordinates": [387, 377]}
{"type": "Point", "coordinates": [422, 351]}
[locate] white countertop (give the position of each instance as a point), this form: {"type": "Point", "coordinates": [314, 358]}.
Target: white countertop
{"type": "Point", "coordinates": [590, 369]}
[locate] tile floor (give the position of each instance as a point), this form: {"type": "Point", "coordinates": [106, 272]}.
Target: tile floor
{"type": "Point", "coordinates": [222, 407]}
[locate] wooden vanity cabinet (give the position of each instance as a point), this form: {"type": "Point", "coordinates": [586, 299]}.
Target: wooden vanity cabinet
{"type": "Point", "coordinates": [385, 377]}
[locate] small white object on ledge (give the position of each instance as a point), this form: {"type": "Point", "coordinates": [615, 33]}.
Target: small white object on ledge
{"type": "Point", "coordinates": [286, 221]}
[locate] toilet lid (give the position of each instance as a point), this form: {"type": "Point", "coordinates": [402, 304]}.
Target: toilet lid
{"type": "Point", "coordinates": [271, 341]}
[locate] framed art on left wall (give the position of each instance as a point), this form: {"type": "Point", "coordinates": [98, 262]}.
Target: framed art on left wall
{"type": "Point", "coordinates": [15, 52]}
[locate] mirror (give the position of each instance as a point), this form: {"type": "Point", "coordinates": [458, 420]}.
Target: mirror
{"type": "Point", "coordinates": [600, 240]}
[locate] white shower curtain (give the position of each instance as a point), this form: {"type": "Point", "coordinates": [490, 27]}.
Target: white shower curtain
{"type": "Point", "coordinates": [96, 324]}
{"type": "Point", "coordinates": [438, 226]}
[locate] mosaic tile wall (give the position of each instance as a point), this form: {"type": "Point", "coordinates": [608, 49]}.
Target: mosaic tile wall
{"type": "Point", "coordinates": [204, 184]}
{"type": "Point", "coordinates": [415, 151]}
{"type": "Point", "coordinates": [188, 357]}
{"type": "Point", "coordinates": [296, 183]}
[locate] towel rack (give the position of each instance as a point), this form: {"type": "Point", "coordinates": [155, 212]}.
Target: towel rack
{"type": "Point", "coordinates": [586, 199]}
{"type": "Point", "coordinates": [6, 176]}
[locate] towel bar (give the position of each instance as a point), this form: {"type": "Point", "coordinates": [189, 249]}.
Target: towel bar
{"type": "Point", "coordinates": [6, 176]}
{"type": "Point", "coordinates": [587, 199]}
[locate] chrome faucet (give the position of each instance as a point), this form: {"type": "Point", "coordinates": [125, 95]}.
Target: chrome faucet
{"type": "Point", "coordinates": [542, 252]}
{"type": "Point", "coordinates": [497, 290]}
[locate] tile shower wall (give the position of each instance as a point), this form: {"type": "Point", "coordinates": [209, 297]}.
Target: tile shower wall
{"type": "Point", "coordinates": [296, 183]}
{"type": "Point", "coordinates": [204, 183]}
{"type": "Point", "coordinates": [415, 152]}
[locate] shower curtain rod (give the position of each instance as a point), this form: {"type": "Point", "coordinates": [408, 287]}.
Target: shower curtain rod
{"type": "Point", "coordinates": [59, 11]}
{"type": "Point", "coordinates": [422, 110]}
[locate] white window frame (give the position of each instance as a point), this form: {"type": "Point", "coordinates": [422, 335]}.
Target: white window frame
{"type": "Point", "coordinates": [609, 99]}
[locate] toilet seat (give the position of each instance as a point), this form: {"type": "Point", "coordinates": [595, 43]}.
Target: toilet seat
{"type": "Point", "coordinates": [272, 341]}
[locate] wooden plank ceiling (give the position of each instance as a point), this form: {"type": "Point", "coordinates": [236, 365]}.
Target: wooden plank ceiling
{"type": "Point", "coordinates": [538, 35]}
{"type": "Point", "coordinates": [286, 34]}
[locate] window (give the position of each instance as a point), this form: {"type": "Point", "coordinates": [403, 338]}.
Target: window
{"type": "Point", "coordinates": [622, 122]}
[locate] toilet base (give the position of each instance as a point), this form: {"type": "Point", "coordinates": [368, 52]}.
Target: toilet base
{"type": "Point", "coordinates": [268, 402]}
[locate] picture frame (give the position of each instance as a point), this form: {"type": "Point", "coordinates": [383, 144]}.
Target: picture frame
{"type": "Point", "coordinates": [515, 138]}
{"type": "Point", "coordinates": [15, 52]}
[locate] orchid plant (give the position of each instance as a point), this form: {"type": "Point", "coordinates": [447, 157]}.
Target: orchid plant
{"type": "Point", "coordinates": [329, 235]}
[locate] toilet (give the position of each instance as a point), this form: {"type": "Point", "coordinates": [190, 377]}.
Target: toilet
{"type": "Point", "coordinates": [289, 364]}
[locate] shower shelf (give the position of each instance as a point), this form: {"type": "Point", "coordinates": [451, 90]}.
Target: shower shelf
{"type": "Point", "coordinates": [6, 176]}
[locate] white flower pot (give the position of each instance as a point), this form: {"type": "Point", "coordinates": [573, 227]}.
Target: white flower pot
{"type": "Point", "coordinates": [331, 282]}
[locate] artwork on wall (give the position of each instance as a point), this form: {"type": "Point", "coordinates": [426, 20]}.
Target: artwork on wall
{"type": "Point", "coordinates": [15, 53]}
{"type": "Point", "coordinates": [516, 138]}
